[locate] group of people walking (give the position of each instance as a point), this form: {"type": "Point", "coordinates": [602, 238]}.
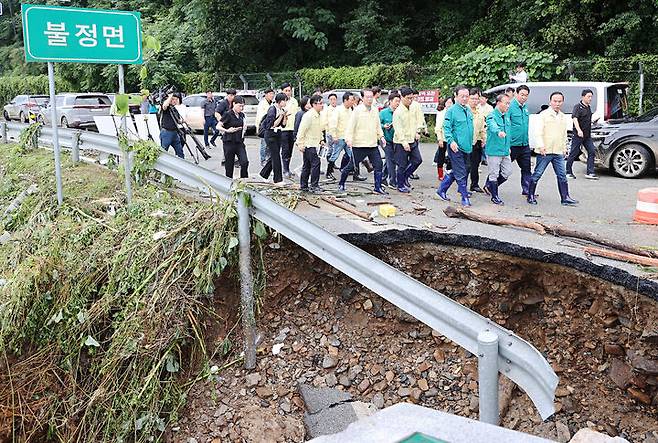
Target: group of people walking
{"type": "Point", "coordinates": [470, 133]}
{"type": "Point", "coordinates": [468, 128]}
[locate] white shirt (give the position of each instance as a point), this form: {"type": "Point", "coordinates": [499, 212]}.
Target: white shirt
{"type": "Point", "coordinates": [520, 77]}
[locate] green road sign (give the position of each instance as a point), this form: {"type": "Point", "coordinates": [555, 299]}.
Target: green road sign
{"type": "Point", "coordinates": [78, 35]}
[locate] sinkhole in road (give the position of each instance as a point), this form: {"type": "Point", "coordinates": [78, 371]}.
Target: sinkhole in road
{"type": "Point", "coordinates": [599, 335]}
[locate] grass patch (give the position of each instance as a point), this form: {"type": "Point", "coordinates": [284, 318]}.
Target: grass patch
{"type": "Point", "coordinates": [101, 305]}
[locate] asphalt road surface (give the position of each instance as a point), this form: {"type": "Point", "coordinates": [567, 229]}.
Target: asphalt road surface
{"type": "Point", "coordinates": [606, 205]}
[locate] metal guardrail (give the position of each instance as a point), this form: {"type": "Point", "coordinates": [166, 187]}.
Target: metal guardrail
{"type": "Point", "coordinates": [495, 346]}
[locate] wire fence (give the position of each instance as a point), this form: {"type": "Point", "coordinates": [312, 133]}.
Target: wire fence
{"type": "Point", "coordinates": [641, 76]}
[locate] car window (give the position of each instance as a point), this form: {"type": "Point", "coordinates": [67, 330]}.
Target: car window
{"type": "Point", "coordinates": [250, 100]}
{"type": "Point", "coordinates": [39, 100]}
{"type": "Point", "coordinates": [96, 100]}
{"type": "Point", "coordinates": [617, 105]}
{"type": "Point", "coordinates": [20, 99]}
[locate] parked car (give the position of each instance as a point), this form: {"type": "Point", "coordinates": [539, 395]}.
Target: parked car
{"type": "Point", "coordinates": [629, 147]}
{"type": "Point", "coordinates": [77, 110]}
{"type": "Point", "coordinates": [134, 101]}
{"type": "Point", "coordinates": [193, 113]}
{"type": "Point", "coordinates": [21, 106]}
{"type": "Point", "coordinates": [609, 101]}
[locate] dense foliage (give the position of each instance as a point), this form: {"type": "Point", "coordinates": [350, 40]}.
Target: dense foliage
{"type": "Point", "coordinates": [325, 44]}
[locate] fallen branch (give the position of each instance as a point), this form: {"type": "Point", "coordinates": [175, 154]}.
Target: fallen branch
{"type": "Point", "coordinates": [468, 214]}
{"type": "Point", "coordinates": [16, 203]}
{"type": "Point", "coordinates": [542, 228]}
{"type": "Point", "coordinates": [346, 207]}
{"type": "Point", "coordinates": [621, 256]}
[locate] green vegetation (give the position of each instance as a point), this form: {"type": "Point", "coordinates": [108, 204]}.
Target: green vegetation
{"type": "Point", "coordinates": [102, 307]}
{"type": "Point", "coordinates": [202, 43]}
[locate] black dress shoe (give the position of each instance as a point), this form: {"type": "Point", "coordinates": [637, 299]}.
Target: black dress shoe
{"type": "Point", "coordinates": [358, 178]}
{"type": "Point", "coordinates": [477, 189]}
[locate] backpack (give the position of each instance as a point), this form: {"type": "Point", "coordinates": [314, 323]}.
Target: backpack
{"type": "Point", "coordinates": [261, 126]}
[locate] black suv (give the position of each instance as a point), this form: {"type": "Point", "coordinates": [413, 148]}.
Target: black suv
{"type": "Point", "coordinates": [630, 146]}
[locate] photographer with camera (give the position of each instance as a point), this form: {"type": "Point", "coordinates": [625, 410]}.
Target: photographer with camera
{"type": "Point", "coordinates": [169, 134]}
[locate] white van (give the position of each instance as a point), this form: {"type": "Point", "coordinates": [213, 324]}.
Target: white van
{"type": "Point", "coordinates": [609, 101]}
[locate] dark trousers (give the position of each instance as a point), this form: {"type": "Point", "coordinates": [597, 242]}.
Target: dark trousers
{"type": "Point", "coordinates": [274, 162]}
{"type": "Point", "coordinates": [358, 155]}
{"type": "Point", "coordinates": [210, 123]}
{"type": "Point", "coordinates": [440, 154]}
{"type": "Point", "coordinates": [171, 138]}
{"type": "Point", "coordinates": [407, 162]}
{"type": "Point", "coordinates": [391, 169]}
{"type": "Point", "coordinates": [287, 143]}
{"type": "Point", "coordinates": [311, 167]}
{"type": "Point", "coordinates": [461, 165]}
{"type": "Point", "coordinates": [476, 159]}
{"type": "Point", "coordinates": [231, 149]}
{"type": "Point", "coordinates": [574, 153]}
{"type": "Point", "coordinates": [521, 155]}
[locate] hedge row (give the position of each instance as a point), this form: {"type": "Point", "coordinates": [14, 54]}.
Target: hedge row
{"type": "Point", "coordinates": [484, 67]}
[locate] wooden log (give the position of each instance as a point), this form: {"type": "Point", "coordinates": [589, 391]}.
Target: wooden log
{"type": "Point", "coordinates": [346, 207]}
{"type": "Point", "coordinates": [622, 256]}
{"type": "Point", "coordinates": [469, 214]}
{"type": "Point", "coordinates": [562, 231]}
{"type": "Point", "coordinates": [542, 228]}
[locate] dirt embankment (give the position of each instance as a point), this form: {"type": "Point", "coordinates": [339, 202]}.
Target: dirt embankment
{"type": "Point", "coordinates": [329, 331]}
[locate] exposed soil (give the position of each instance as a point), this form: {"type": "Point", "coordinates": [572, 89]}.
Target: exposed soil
{"type": "Point", "coordinates": [599, 337]}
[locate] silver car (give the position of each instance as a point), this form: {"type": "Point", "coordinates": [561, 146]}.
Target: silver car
{"type": "Point", "coordinates": [77, 110]}
{"type": "Point", "coordinates": [22, 106]}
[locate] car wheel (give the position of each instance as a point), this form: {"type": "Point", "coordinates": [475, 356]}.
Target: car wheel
{"type": "Point", "coordinates": [21, 118]}
{"type": "Point", "coordinates": [6, 116]}
{"type": "Point", "coordinates": [631, 160]}
{"type": "Point", "coordinates": [65, 122]}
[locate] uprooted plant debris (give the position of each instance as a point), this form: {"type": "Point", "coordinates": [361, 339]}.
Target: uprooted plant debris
{"type": "Point", "coordinates": [102, 305]}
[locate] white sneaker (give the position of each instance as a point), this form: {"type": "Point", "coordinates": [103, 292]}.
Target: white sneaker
{"type": "Point", "coordinates": [592, 176]}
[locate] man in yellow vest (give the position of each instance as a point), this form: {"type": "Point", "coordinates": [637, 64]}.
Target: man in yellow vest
{"type": "Point", "coordinates": [309, 140]}
{"type": "Point", "coordinates": [364, 135]}
{"type": "Point", "coordinates": [552, 144]}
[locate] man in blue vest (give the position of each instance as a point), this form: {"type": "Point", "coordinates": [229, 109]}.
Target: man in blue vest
{"type": "Point", "coordinates": [458, 133]}
{"type": "Point", "coordinates": [520, 150]}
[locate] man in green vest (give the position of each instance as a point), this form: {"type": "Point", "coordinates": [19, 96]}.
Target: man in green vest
{"type": "Point", "coordinates": [458, 133]}
{"type": "Point", "coordinates": [520, 146]}
{"type": "Point", "coordinates": [498, 148]}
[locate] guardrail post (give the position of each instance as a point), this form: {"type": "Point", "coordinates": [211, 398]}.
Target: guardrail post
{"type": "Point", "coordinates": [488, 376]}
{"type": "Point", "coordinates": [75, 147]}
{"type": "Point", "coordinates": [3, 132]}
{"type": "Point", "coordinates": [246, 282]}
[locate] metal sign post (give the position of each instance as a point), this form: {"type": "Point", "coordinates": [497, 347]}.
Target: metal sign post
{"type": "Point", "coordinates": [53, 122]}
{"type": "Point", "coordinates": [81, 35]}
{"type": "Point", "coordinates": [124, 129]}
